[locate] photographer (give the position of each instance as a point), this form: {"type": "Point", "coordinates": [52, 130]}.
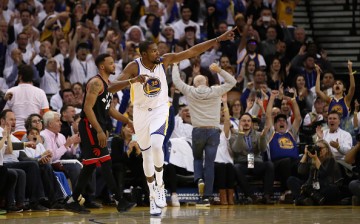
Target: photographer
{"type": "Point", "coordinates": [323, 173]}
{"type": "Point", "coordinates": [353, 157]}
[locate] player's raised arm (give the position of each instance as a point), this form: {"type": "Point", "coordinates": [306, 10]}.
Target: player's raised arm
{"type": "Point", "coordinates": [197, 49]}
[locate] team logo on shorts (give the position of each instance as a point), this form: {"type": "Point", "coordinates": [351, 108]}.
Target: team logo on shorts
{"type": "Point", "coordinates": [152, 87]}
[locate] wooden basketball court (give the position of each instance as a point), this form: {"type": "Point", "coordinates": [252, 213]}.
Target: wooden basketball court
{"type": "Point", "coordinates": [191, 214]}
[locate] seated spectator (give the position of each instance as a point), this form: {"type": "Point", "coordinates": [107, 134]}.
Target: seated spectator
{"type": "Point", "coordinates": [12, 181]}
{"type": "Point", "coordinates": [34, 185]}
{"type": "Point", "coordinates": [56, 101]}
{"type": "Point", "coordinates": [127, 164]}
{"type": "Point", "coordinates": [43, 157]}
{"type": "Point", "coordinates": [312, 120]}
{"type": "Point", "coordinates": [64, 153]}
{"type": "Point", "coordinates": [248, 147]}
{"type": "Point", "coordinates": [34, 121]}
{"type": "Point", "coordinates": [67, 118]}
{"type": "Point", "coordinates": [353, 158]}
{"type": "Point", "coordinates": [78, 91]}
{"type": "Point", "coordinates": [340, 141]}
{"type": "Point", "coordinates": [321, 186]}
{"type": "Point", "coordinates": [282, 149]}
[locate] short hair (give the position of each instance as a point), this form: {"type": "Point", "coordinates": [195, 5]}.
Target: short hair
{"type": "Point", "coordinates": [26, 72]}
{"type": "Point", "coordinates": [79, 84]}
{"type": "Point", "coordinates": [25, 10]}
{"type": "Point", "coordinates": [22, 33]}
{"type": "Point", "coordinates": [49, 116]}
{"type": "Point", "coordinates": [100, 59]}
{"type": "Point", "coordinates": [3, 113]}
{"type": "Point", "coordinates": [83, 45]}
{"type": "Point", "coordinates": [222, 22]}
{"type": "Point", "coordinates": [31, 129]}
{"type": "Point", "coordinates": [64, 91]}
{"type": "Point", "coordinates": [335, 112]}
{"type": "Point", "coordinates": [224, 56]}
{"type": "Point", "coordinates": [64, 108]}
{"type": "Point", "coordinates": [248, 114]}
{"type": "Point", "coordinates": [185, 7]}
{"type": "Point", "coordinates": [143, 46]}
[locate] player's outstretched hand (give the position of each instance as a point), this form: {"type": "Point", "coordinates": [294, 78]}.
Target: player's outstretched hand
{"type": "Point", "coordinates": [228, 35]}
{"type": "Point", "coordinates": [140, 78]}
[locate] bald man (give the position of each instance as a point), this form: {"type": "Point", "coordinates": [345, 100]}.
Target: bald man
{"type": "Point", "coordinates": [204, 105]}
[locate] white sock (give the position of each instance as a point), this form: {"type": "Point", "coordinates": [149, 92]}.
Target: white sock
{"type": "Point", "coordinates": [159, 177]}
{"type": "Point", "coordinates": [151, 188]}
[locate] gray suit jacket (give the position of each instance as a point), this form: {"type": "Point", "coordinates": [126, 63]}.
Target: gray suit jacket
{"type": "Point", "coordinates": [240, 149]}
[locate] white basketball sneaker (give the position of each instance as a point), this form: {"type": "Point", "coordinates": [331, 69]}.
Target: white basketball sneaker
{"type": "Point", "coordinates": [154, 209]}
{"type": "Point", "coordinates": [160, 197]}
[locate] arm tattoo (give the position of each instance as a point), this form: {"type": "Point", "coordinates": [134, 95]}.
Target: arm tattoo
{"type": "Point", "coordinates": [95, 87]}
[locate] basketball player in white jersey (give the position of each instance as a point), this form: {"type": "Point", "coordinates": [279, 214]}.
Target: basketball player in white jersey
{"type": "Point", "coordinates": [151, 107]}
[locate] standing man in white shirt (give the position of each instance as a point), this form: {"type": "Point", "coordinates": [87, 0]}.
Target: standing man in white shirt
{"type": "Point", "coordinates": [26, 99]}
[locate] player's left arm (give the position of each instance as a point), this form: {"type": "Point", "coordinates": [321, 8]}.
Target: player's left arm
{"type": "Point", "coordinates": [117, 115]}
{"type": "Point", "coordinates": [127, 78]}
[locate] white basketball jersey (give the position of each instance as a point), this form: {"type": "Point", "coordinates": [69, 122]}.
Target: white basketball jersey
{"type": "Point", "coordinates": [154, 92]}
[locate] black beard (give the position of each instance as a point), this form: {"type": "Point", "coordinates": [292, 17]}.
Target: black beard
{"type": "Point", "coordinates": [156, 61]}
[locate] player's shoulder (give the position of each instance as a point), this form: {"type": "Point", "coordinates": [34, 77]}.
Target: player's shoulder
{"type": "Point", "coordinates": [94, 82]}
{"type": "Point", "coordinates": [132, 67]}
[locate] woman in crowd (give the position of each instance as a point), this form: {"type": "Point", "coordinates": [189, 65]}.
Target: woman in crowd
{"type": "Point", "coordinates": [323, 174]}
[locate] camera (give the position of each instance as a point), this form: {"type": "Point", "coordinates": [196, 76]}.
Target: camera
{"type": "Point", "coordinates": [258, 94]}
{"type": "Point", "coordinates": [313, 149]}
{"type": "Point", "coordinates": [289, 94]}
{"type": "Point", "coordinates": [357, 137]}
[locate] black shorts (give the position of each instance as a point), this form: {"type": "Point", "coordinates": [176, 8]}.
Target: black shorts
{"type": "Point", "coordinates": [91, 152]}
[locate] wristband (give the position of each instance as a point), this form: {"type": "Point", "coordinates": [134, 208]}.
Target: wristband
{"type": "Point", "coordinates": [130, 81]}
